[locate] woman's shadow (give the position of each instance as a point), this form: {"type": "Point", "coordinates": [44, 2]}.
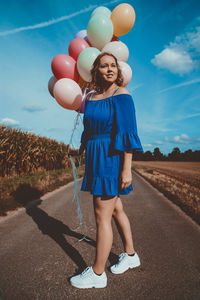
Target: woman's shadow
{"type": "Point", "coordinates": [55, 228]}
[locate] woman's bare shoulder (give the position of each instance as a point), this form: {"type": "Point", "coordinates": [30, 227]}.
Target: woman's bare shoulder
{"type": "Point", "coordinates": [122, 90]}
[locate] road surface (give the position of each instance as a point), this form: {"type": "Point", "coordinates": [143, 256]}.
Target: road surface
{"type": "Point", "coordinates": [40, 249]}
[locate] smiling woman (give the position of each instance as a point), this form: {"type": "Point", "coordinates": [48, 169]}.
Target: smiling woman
{"type": "Point", "coordinates": [109, 137]}
{"type": "Point", "coordinates": [105, 71]}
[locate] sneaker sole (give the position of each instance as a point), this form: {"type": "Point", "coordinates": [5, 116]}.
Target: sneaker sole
{"type": "Point", "coordinates": [135, 266]}
{"type": "Point", "coordinates": [97, 286]}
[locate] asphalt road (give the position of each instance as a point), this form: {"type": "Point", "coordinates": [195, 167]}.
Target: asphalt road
{"type": "Point", "coordinates": [40, 249]}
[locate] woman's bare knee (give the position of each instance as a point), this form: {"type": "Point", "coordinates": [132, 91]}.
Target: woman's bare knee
{"type": "Point", "coordinates": [103, 209]}
{"type": "Point", "coordinates": [118, 208]}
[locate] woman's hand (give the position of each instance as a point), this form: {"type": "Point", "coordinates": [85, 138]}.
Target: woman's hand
{"type": "Point", "coordinates": [76, 152]}
{"type": "Point", "coordinates": [73, 152]}
{"type": "Point", "coordinates": [126, 178]}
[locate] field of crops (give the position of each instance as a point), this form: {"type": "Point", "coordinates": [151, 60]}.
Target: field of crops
{"type": "Point", "coordinates": [30, 165]}
{"type": "Point", "coordinates": [179, 181]}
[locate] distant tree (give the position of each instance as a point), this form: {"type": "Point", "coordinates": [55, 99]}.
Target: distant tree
{"type": "Point", "coordinates": [148, 156]}
{"type": "Point", "coordinates": [175, 155]}
{"type": "Point", "coordinates": [196, 155]}
{"type": "Point", "coordinates": [157, 154]}
{"type": "Point", "coordinates": [138, 155]}
{"type": "Point", "coordinates": [188, 155]}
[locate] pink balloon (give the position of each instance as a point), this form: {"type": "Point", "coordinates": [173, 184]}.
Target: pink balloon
{"type": "Point", "coordinates": [68, 93]}
{"type": "Point", "coordinates": [51, 84]}
{"type": "Point", "coordinates": [126, 72]}
{"type": "Point", "coordinates": [64, 66]}
{"type": "Point", "coordinates": [76, 46]}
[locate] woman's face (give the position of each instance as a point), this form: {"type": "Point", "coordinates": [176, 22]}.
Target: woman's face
{"type": "Point", "coordinates": [108, 68]}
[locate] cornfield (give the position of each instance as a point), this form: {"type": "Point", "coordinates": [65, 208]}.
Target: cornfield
{"type": "Point", "coordinates": [25, 153]}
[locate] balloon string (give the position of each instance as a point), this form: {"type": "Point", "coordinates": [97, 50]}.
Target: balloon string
{"type": "Point", "coordinates": [75, 171]}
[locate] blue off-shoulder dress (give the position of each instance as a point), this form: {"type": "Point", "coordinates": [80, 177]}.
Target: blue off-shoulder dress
{"type": "Point", "coordinates": [109, 129]}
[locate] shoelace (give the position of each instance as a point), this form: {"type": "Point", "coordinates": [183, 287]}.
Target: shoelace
{"type": "Point", "coordinates": [85, 272]}
{"type": "Point", "coordinates": [121, 256]}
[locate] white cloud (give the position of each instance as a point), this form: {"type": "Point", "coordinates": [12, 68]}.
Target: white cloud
{"type": "Point", "coordinates": [152, 126]}
{"type": "Point", "coordinates": [33, 108]}
{"type": "Point", "coordinates": [180, 139]}
{"type": "Point", "coordinates": [9, 122]}
{"type": "Point", "coordinates": [181, 56]}
{"type": "Point", "coordinates": [186, 83]}
{"type": "Point", "coordinates": [174, 60]}
{"type": "Point", "coordinates": [159, 143]}
{"type": "Point", "coordinates": [147, 145]}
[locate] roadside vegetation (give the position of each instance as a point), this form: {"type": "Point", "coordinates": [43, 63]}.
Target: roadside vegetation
{"type": "Point", "coordinates": [178, 181]}
{"type": "Point", "coordinates": [30, 166]}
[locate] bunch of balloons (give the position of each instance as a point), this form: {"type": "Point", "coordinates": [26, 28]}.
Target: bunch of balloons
{"type": "Point", "coordinates": [72, 71]}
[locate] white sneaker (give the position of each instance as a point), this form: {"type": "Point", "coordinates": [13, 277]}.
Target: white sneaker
{"type": "Point", "coordinates": [88, 279]}
{"type": "Point", "coordinates": [125, 262]}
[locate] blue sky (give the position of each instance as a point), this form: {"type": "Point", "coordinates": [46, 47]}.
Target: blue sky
{"type": "Point", "coordinates": [164, 47]}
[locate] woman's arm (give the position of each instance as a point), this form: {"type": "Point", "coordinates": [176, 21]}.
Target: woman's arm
{"type": "Point", "coordinates": [81, 149]}
{"type": "Point", "coordinates": [126, 175]}
{"type": "Point", "coordinates": [76, 152]}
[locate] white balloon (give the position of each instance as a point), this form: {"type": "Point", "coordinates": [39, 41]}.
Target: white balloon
{"type": "Point", "coordinates": [102, 10]}
{"type": "Point", "coordinates": [68, 93]}
{"type": "Point", "coordinates": [126, 72]}
{"type": "Point", "coordinates": [85, 62]}
{"type": "Point", "coordinates": [118, 49]}
{"type": "Point", "coordinates": [99, 30]}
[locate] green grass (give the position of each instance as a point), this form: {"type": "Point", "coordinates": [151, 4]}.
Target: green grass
{"type": "Point", "coordinates": [19, 191]}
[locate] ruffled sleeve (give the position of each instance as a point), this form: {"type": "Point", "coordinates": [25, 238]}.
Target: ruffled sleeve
{"type": "Point", "coordinates": [125, 127]}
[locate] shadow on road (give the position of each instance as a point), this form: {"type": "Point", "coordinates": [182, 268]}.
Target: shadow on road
{"type": "Point", "coordinates": [56, 230]}
{"type": "Point", "coordinates": [53, 227]}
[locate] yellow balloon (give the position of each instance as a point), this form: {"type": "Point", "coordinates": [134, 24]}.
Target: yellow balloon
{"type": "Point", "coordinates": [123, 19]}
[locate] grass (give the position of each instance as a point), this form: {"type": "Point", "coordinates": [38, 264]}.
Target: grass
{"type": "Point", "coordinates": [19, 191]}
{"type": "Point", "coordinates": [177, 181]}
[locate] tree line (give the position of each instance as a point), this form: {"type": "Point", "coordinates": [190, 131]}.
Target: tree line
{"type": "Point", "coordinates": [175, 155]}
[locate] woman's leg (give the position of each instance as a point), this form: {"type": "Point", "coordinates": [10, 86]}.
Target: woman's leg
{"type": "Point", "coordinates": [103, 208]}
{"type": "Point", "coordinates": [123, 226]}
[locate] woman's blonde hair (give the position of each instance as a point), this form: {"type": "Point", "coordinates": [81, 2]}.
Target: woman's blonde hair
{"type": "Point", "coordinates": [97, 80]}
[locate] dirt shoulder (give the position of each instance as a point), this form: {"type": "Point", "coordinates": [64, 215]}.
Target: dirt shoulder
{"type": "Point", "coordinates": [178, 181]}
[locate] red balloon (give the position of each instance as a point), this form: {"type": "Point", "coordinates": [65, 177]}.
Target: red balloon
{"type": "Point", "coordinates": [64, 66]}
{"type": "Point", "coordinates": [77, 46]}
{"type": "Point", "coordinates": [115, 39]}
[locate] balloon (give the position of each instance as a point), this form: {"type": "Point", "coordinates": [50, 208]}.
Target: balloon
{"type": "Point", "coordinates": [76, 47]}
{"type": "Point", "coordinates": [115, 38]}
{"type": "Point", "coordinates": [101, 10]}
{"type": "Point", "coordinates": [68, 93]}
{"type": "Point", "coordinates": [118, 49]}
{"type": "Point", "coordinates": [51, 84]}
{"type": "Point", "coordinates": [64, 66]}
{"type": "Point", "coordinates": [99, 31]}
{"type": "Point", "coordinates": [82, 34]}
{"type": "Point", "coordinates": [126, 72]}
{"type": "Point", "coordinates": [123, 18]}
{"type": "Point", "coordinates": [85, 62]}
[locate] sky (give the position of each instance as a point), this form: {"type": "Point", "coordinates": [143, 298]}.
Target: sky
{"type": "Point", "coordinates": [164, 55]}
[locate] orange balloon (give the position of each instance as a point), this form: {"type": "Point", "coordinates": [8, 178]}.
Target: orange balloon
{"type": "Point", "coordinates": [123, 19]}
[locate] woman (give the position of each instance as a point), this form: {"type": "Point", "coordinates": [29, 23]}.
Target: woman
{"type": "Point", "coordinates": [109, 138]}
